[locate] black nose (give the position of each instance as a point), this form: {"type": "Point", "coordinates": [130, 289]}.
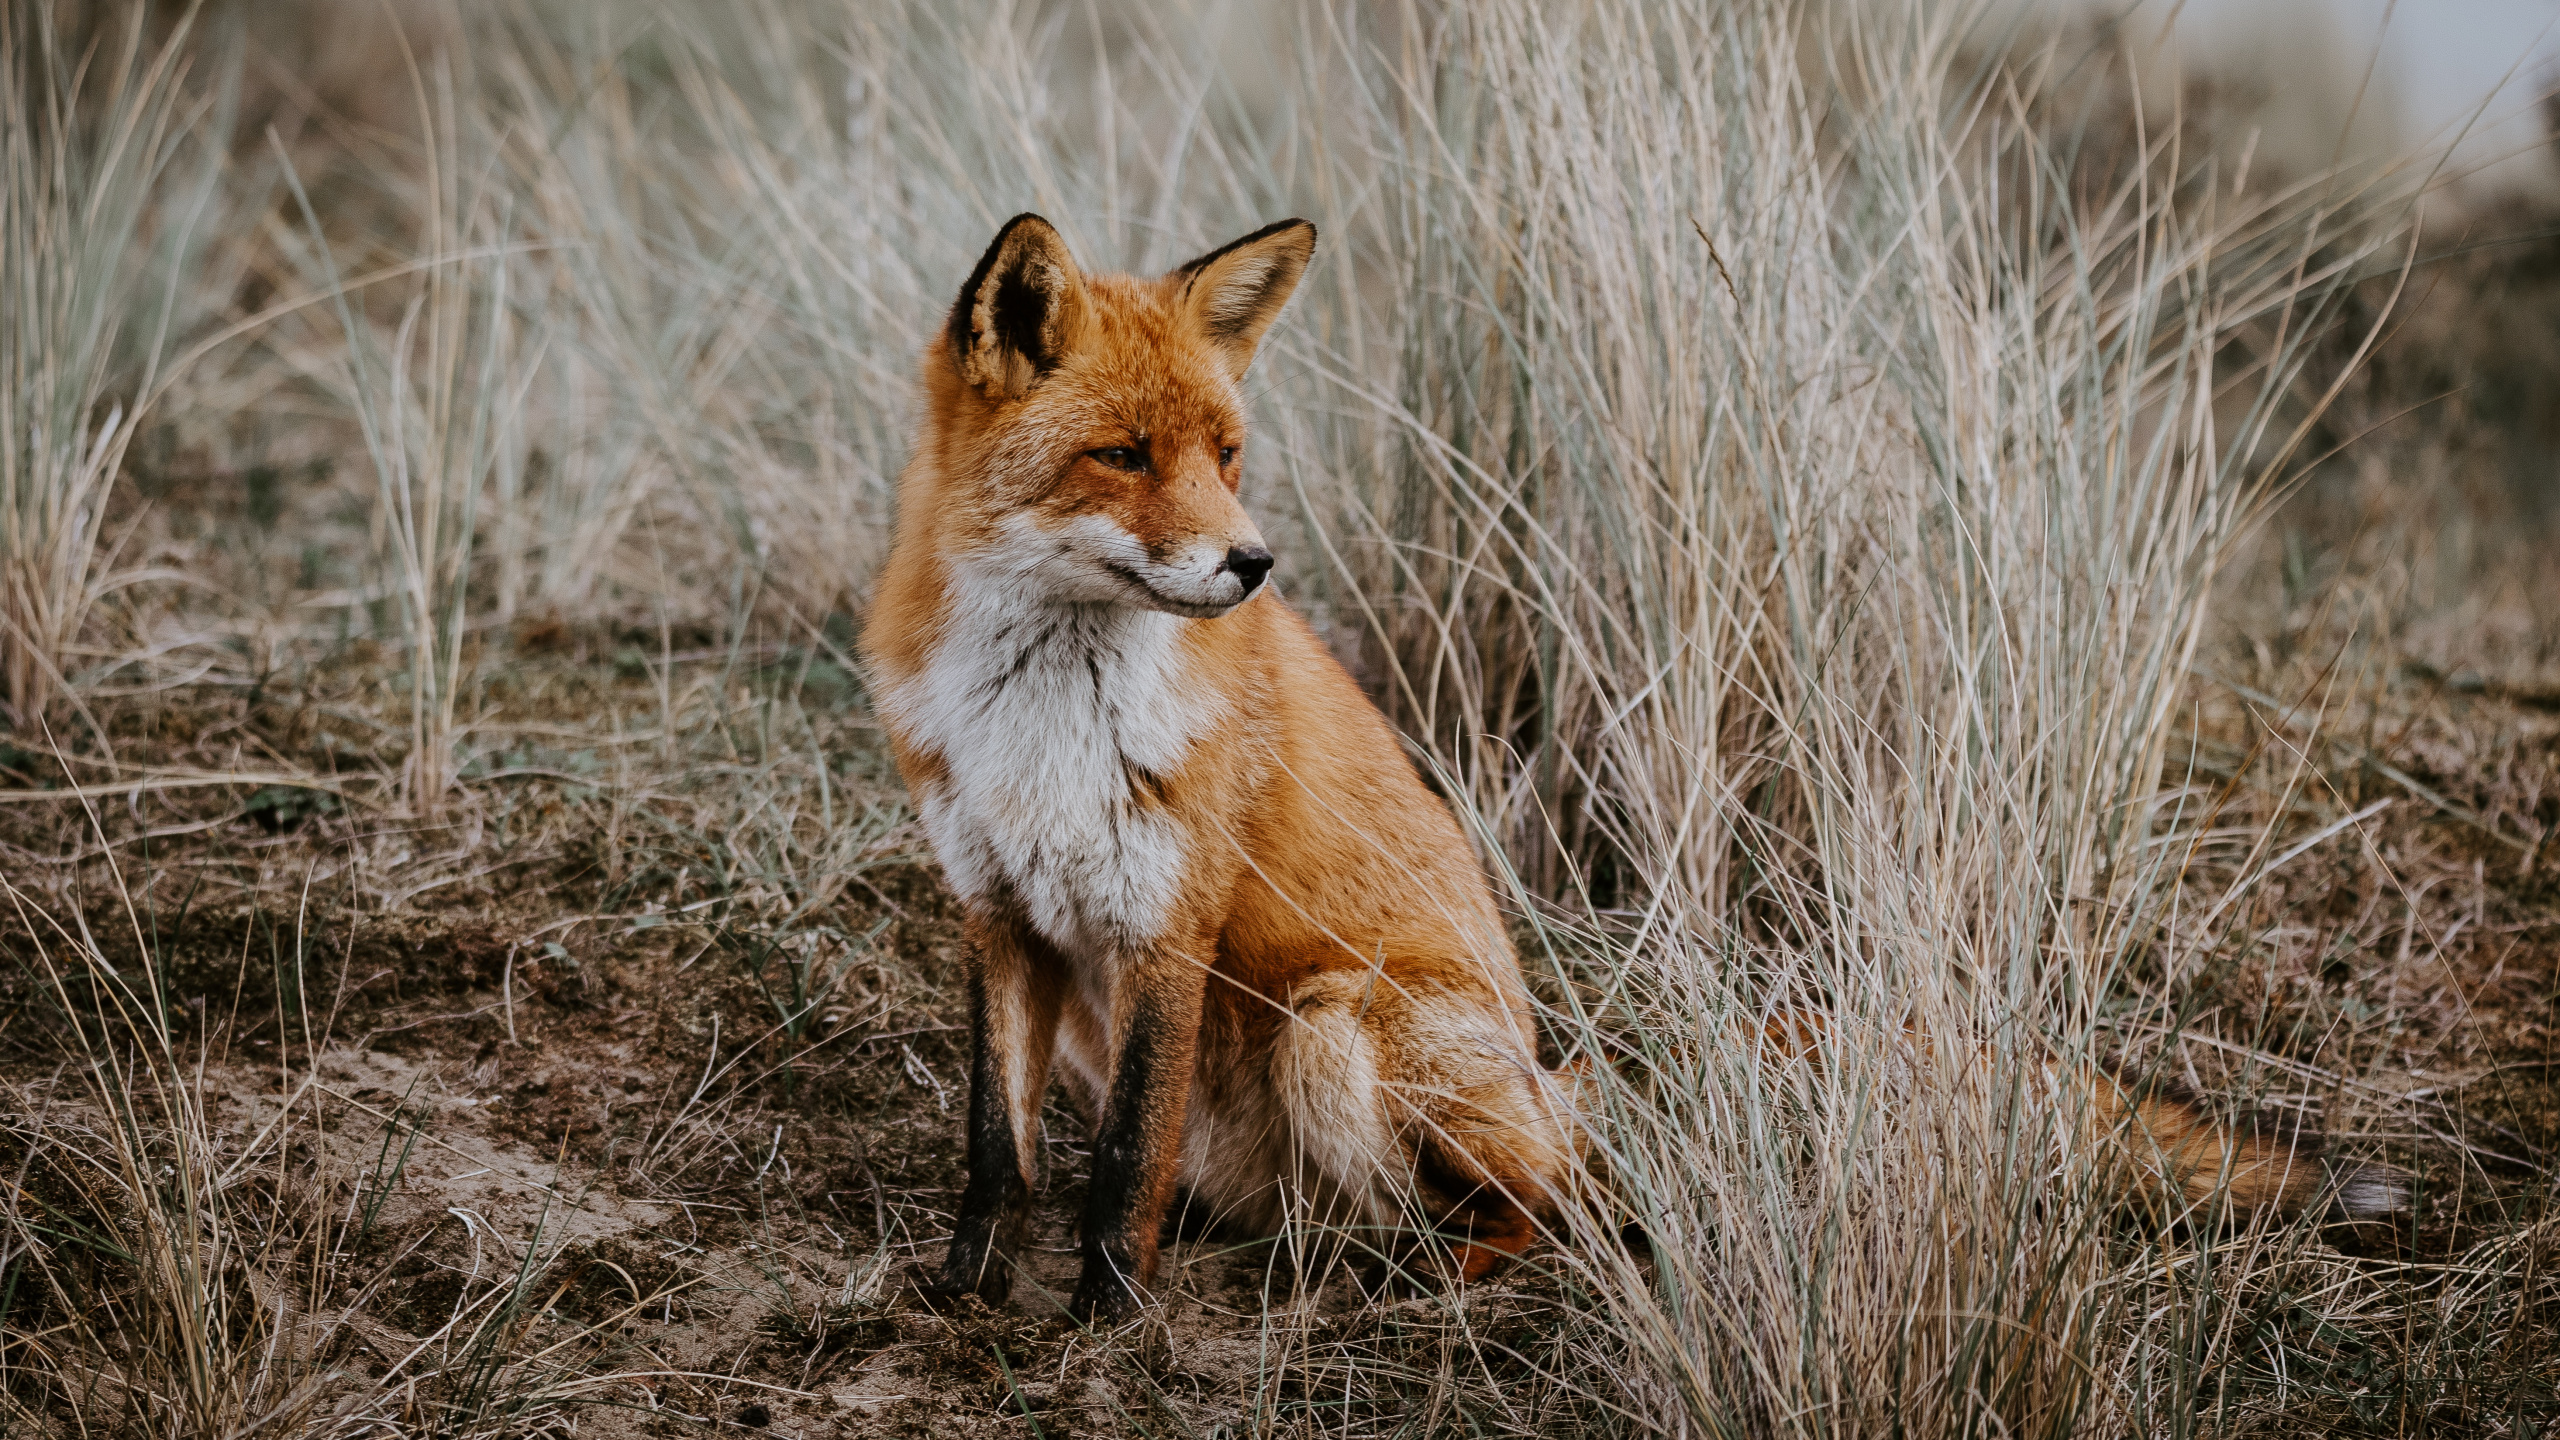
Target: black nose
{"type": "Point", "coordinates": [1249, 563]}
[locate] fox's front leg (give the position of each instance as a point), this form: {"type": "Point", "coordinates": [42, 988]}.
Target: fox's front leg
{"type": "Point", "coordinates": [1138, 1148]}
{"type": "Point", "coordinates": [1016, 985]}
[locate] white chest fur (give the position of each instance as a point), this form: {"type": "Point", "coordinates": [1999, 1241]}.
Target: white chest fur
{"type": "Point", "coordinates": [1047, 716]}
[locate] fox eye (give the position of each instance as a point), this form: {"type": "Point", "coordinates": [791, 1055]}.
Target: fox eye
{"type": "Point", "coordinates": [1226, 456]}
{"type": "Point", "coordinates": [1120, 457]}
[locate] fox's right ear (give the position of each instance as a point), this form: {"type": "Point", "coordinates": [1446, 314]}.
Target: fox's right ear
{"type": "Point", "coordinates": [1019, 312]}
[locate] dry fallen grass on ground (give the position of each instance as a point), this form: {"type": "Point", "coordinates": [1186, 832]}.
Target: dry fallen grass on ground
{"type": "Point", "coordinates": [469, 970]}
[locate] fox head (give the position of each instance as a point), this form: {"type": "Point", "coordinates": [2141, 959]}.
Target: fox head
{"type": "Point", "coordinates": [1086, 433]}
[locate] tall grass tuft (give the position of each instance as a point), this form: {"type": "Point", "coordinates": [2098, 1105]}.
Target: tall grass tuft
{"type": "Point", "coordinates": [161, 1277]}
{"type": "Point", "coordinates": [438, 390]}
{"type": "Point", "coordinates": [1783, 495]}
{"type": "Point", "coordinates": [107, 179]}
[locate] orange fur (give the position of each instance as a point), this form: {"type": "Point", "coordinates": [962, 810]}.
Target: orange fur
{"type": "Point", "coordinates": [1328, 1013]}
{"type": "Point", "coordinates": [2164, 1150]}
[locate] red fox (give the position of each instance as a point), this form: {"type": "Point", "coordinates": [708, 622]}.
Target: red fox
{"type": "Point", "coordinates": [1194, 859]}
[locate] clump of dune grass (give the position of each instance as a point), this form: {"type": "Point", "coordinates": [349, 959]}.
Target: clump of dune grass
{"type": "Point", "coordinates": [1785, 504]}
{"type": "Point", "coordinates": [109, 180]}
{"type": "Point", "coordinates": [439, 394]}
{"type": "Point", "coordinates": [166, 1279]}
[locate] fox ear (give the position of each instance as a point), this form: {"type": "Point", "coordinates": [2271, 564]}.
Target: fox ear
{"type": "Point", "coordinates": [1235, 291]}
{"type": "Point", "coordinates": [1019, 312]}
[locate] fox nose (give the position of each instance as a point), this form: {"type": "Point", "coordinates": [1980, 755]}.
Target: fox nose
{"type": "Point", "coordinates": [1249, 563]}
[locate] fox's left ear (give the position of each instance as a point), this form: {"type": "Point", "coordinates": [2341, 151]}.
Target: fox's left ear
{"type": "Point", "coordinates": [1235, 291]}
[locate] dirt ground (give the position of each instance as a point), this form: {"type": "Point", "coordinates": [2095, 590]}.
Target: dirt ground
{"type": "Point", "coordinates": [623, 1102]}
{"type": "Point", "coordinates": [528, 1072]}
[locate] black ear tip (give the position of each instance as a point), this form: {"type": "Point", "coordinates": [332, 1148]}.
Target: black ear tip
{"type": "Point", "coordinates": [1272, 231]}
{"type": "Point", "coordinates": [995, 247]}
{"type": "Point", "coordinates": [957, 327]}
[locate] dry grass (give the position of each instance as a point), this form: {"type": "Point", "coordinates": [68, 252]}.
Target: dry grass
{"type": "Point", "coordinates": [470, 971]}
{"type": "Point", "coordinates": [109, 173]}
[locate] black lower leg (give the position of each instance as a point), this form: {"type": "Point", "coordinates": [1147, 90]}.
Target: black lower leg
{"type": "Point", "coordinates": [1122, 1216]}
{"type": "Point", "coordinates": [995, 1208]}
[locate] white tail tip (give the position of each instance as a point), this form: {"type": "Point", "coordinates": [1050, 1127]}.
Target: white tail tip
{"type": "Point", "coordinates": [2370, 1192]}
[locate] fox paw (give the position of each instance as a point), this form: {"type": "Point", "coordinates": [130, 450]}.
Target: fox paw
{"type": "Point", "coordinates": [1105, 1300]}
{"type": "Point", "coordinates": [989, 1285]}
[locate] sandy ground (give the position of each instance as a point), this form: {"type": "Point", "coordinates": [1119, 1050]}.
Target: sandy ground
{"type": "Point", "coordinates": [517, 1081]}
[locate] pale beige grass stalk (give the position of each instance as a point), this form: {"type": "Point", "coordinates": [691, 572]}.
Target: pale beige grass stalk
{"type": "Point", "coordinates": [439, 396]}
{"type": "Point", "coordinates": [90, 146]}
